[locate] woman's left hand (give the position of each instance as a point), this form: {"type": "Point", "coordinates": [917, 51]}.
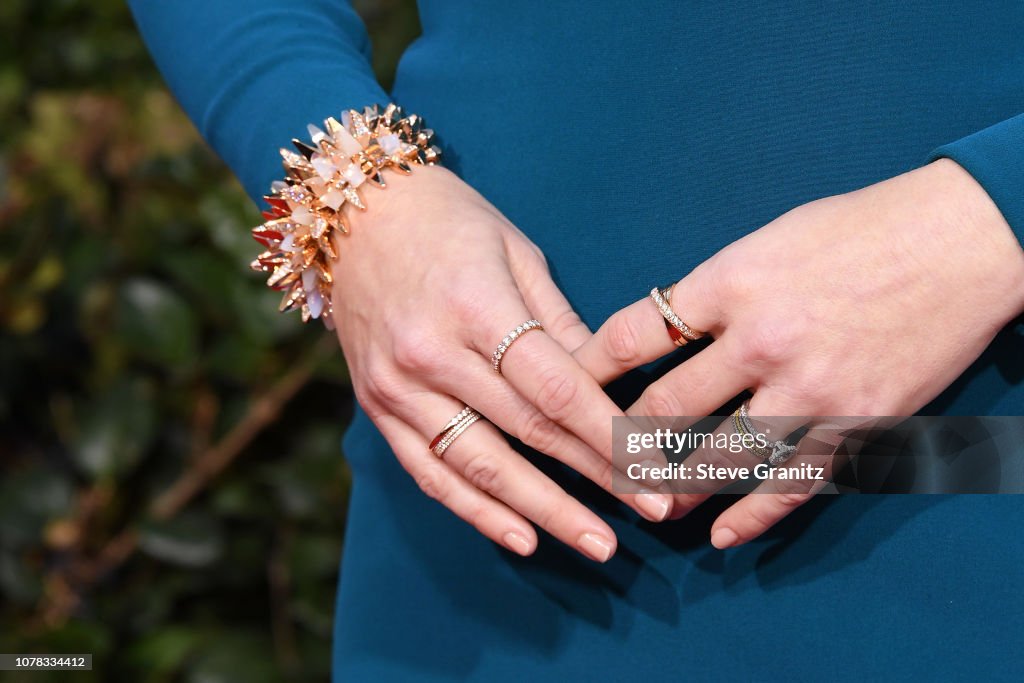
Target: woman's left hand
{"type": "Point", "coordinates": [867, 303]}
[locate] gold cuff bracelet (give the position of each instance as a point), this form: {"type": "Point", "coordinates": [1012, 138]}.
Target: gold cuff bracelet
{"type": "Point", "coordinates": [307, 208]}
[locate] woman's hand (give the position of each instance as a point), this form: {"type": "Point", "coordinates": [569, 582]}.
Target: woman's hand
{"type": "Point", "coordinates": [868, 303]}
{"type": "Point", "coordinates": [429, 281]}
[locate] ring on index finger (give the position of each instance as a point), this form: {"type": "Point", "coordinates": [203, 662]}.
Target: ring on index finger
{"type": "Point", "coordinates": [680, 332]}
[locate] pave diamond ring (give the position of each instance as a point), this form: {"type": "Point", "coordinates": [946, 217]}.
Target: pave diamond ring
{"type": "Point", "coordinates": [451, 431]}
{"type": "Point", "coordinates": [775, 453]}
{"type": "Point", "coordinates": [510, 339]}
{"type": "Point", "coordinates": [680, 332]}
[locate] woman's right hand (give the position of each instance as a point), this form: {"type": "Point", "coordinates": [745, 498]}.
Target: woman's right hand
{"type": "Point", "coordinates": [427, 283]}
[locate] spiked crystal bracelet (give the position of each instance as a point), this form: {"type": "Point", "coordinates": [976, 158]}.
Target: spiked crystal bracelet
{"type": "Point", "coordinates": [307, 208]}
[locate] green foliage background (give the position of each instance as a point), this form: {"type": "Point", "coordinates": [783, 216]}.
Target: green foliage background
{"type": "Point", "coordinates": [172, 495]}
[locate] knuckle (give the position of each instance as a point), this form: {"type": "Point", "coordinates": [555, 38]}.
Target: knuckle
{"type": "Point", "coordinates": [472, 305]}
{"type": "Point", "coordinates": [564, 321]}
{"type": "Point", "coordinates": [623, 341]}
{"type": "Point", "coordinates": [547, 514]}
{"type": "Point", "coordinates": [762, 517]}
{"type": "Point", "coordinates": [366, 398]}
{"type": "Point", "coordinates": [660, 400]}
{"type": "Point", "coordinates": [736, 282]}
{"type": "Point", "coordinates": [520, 246]}
{"type": "Point", "coordinates": [796, 495]}
{"type": "Point", "coordinates": [537, 431]}
{"type": "Point", "coordinates": [765, 514]}
{"type": "Point", "coordinates": [531, 251]}
{"type": "Point", "coordinates": [557, 395]}
{"type": "Point", "coordinates": [433, 483]}
{"type": "Point", "coordinates": [478, 515]}
{"type": "Point", "coordinates": [416, 352]}
{"type": "Point", "coordinates": [483, 472]}
{"type": "Point", "coordinates": [382, 386]}
{"type": "Point", "coordinates": [770, 343]}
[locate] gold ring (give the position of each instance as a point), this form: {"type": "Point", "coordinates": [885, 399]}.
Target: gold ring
{"type": "Point", "coordinates": [510, 339]}
{"type": "Point", "coordinates": [451, 431]}
{"type": "Point", "coordinates": [680, 332]}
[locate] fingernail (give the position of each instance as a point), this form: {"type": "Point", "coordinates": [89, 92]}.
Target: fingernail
{"type": "Point", "coordinates": [724, 538]}
{"type": "Point", "coordinates": [517, 543]}
{"type": "Point", "coordinates": [596, 547]}
{"type": "Point", "coordinates": [654, 505]}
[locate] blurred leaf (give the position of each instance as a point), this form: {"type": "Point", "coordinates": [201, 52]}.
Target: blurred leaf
{"type": "Point", "coordinates": [314, 556]}
{"type": "Point", "coordinates": [162, 652]}
{"type": "Point", "coordinates": [189, 540]}
{"type": "Point", "coordinates": [229, 231]}
{"type": "Point", "coordinates": [298, 480]}
{"type": "Point", "coordinates": [157, 324]}
{"type": "Point", "coordinates": [26, 315]}
{"type": "Point", "coordinates": [17, 583]}
{"type": "Point", "coordinates": [47, 274]}
{"type": "Point", "coordinates": [116, 429]}
{"type": "Point", "coordinates": [29, 499]}
{"type": "Point", "coordinates": [238, 359]}
{"type": "Point", "coordinates": [206, 275]}
{"type": "Point", "coordinates": [233, 657]}
{"type": "Point", "coordinates": [240, 499]}
{"type": "Point", "coordinates": [80, 636]}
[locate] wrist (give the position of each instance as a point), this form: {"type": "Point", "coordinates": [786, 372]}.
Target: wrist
{"type": "Point", "coordinates": [309, 208]}
{"type": "Point", "coordinates": [404, 198]}
{"type": "Point", "coordinates": [987, 237]}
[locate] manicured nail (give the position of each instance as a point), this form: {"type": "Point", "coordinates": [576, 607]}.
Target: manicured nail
{"type": "Point", "coordinates": [655, 506]}
{"type": "Point", "coordinates": [596, 547]}
{"type": "Point", "coordinates": [517, 543]}
{"type": "Point", "coordinates": [724, 538]}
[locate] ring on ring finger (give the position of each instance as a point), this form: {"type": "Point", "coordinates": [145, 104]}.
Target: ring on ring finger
{"type": "Point", "coordinates": [774, 452]}
{"type": "Point", "coordinates": [453, 430]}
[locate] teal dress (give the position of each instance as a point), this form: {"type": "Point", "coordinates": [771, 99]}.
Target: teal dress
{"type": "Point", "coordinates": [631, 141]}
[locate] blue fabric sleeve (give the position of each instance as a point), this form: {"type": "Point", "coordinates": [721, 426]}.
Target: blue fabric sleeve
{"type": "Point", "coordinates": [995, 157]}
{"type": "Point", "coordinates": [252, 73]}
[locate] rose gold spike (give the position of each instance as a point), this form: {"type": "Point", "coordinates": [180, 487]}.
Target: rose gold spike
{"type": "Point", "coordinates": [304, 211]}
{"type": "Point", "coordinates": [292, 299]}
{"type": "Point", "coordinates": [352, 196]}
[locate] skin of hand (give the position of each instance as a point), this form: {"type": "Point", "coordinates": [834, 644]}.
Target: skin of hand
{"type": "Point", "coordinates": [863, 304]}
{"type": "Point", "coordinates": [429, 280]}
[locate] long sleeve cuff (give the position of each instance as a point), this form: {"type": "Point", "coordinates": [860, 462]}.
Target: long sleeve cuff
{"type": "Point", "coordinates": [995, 157]}
{"type": "Point", "coordinates": [252, 73]}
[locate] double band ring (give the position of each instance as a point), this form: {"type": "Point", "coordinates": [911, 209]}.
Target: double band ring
{"type": "Point", "coordinates": [774, 452]}
{"type": "Point", "coordinates": [510, 339]}
{"type": "Point", "coordinates": [453, 430]}
{"type": "Point", "coordinates": [680, 332]}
